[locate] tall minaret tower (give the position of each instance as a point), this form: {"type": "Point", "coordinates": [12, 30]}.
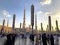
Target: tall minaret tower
{"type": "Point", "coordinates": [3, 22]}
{"type": "Point", "coordinates": [41, 27]}
{"type": "Point", "coordinates": [36, 22]}
{"type": "Point", "coordinates": [7, 22]}
{"type": "Point", "coordinates": [47, 29]}
{"type": "Point", "coordinates": [49, 21]}
{"type": "Point", "coordinates": [2, 30]}
{"type": "Point", "coordinates": [24, 19]}
{"type": "Point", "coordinates": [32, 16]}
{"type": "Point", "coordinates": [13, 25]}
{"type": "Point", "coordinates": [57, 26]}
{"type": "Point", "coordinates": [20, 25]}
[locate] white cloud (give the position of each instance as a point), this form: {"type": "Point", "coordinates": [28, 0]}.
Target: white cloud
{"type": "Point", "coordinates": [47, 13]}
{"type": "Point", "coordinates": [56, 15]}
{"type": "Point", "coordinates": [5, 13]}
{"type": "Point", "coordinates": [39, 12]}
{"type": "Point", "coordinates": [8, 16]}
{"type": "Point", "coordinates": [45, 2]}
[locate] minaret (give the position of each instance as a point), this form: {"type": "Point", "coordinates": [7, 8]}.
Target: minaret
{"type": "Point", "coordinates": [29, 27]}
{"type": "Point", "coordinates": [49, 23]}
{"type": "Point", "coordinates": [2, 30]}
{"type": "Point", "coordinates": [36, 22]}
{"type": "Point", "coordinates": [3, 23]}
{"type": "Point", "coordinates": [52, 28]}
{"type": "Point", "coordinates": [7, 22]}
{"type": "Point", "coordinates": [47, 28]}
{"type": "Point", "coordinates": [24, 19]}
{"type": "Point", "coordinates": [32, 16]}
{"type": "Point", "coordinates": [57, 25]}
{"type": "Point", "coordinates": [41, 27]}
{"type": "Point", "coordinates": [13, 25]}
{"type": "Point", "coordinates": [20, 25]}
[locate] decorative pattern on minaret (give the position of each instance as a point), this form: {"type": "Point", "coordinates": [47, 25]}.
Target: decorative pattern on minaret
{"type": "Point", "coordinates": [24, 19]}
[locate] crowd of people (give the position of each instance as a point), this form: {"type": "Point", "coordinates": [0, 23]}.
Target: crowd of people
{"type": "Point", "coordinates": [47, 39]}
{"type": "Point", "coordinates": [10, 39]}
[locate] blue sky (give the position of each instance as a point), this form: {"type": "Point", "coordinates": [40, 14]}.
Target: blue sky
{"type": "Point", "coordinates": [43, 8]}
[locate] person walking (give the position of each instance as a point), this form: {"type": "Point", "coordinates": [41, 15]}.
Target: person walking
{"type": "Point", "coordinates": [44, 39]}
{"type": "Point", "coordinates": [10, 39]}
{"type": "Point", "coordinates": [51, 39]}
